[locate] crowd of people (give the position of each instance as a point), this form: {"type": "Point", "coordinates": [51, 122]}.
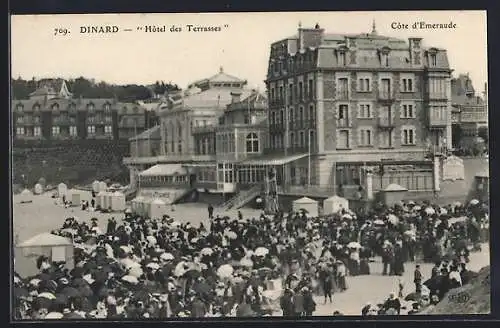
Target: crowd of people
{"type": "Point", "coordinates": [269, 265]}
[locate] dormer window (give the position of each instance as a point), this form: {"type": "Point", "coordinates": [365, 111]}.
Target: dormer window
{"type": "Point", "coordinates": [107, 107]}
{"type": "Point", "coordinates": [36, 107]}
{"type": "Point", "coordinates": [55, 107]}
{"type": "Point", "coordinates": [341, 58]}
{"type": "Point", "coordinates": [19, 107]}
{"type": "Point", "coordinates": [90, 107]}
{"type": "Point", "coordinates": [384, 59]}
{"type": "Point", "coordinates": [433, 60]}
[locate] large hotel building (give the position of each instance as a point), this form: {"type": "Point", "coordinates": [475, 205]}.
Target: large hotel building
{"type": "Point", "coordinates": [337, 107]}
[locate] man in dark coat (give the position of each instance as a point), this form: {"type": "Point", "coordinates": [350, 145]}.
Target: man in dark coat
{"type": "Point", "coordinates": [198, 308]}
{"type": "Point", "coordinates": [309, 304]}
{"type": "Point", "coordinates": [417, 279]}
{"type": "Point", "coordinates": [286, 303]}
{"type": "Point", "coordinates": [210, 211]}
{"type": "Point", "coordinates": [387, 258]}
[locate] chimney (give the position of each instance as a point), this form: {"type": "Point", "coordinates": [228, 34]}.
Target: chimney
{"type": "Point", "coordinates": [310, 37]}
{"type": "Point", "coordinates": [235, 96]}
{"type": "Point", "coordinates": [301, 37]}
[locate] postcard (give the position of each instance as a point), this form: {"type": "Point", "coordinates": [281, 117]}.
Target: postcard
{"type": "Point", "coordinates": [294, 164]}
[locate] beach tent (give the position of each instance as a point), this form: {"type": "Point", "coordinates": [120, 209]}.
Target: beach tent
{"type": "Point", "coordinates": [105, 199]}
{"type": "Point", "coordinates": [103, 186]}
{"type": "Point", "coordinates": [157, 209]}
{"type": "Point", "coordinates": [99, 199]}
{"type": "Point", "coordinates": [75, 196]}
{"type": "Point", "coordinates": [38, 189]}
{"type": "Point", "coordinates": [95, 186]}
{"type": "Point", "coordinates": [117, 201]}
{"type": "Point", "coordinates": [146, 206]}
{"type": "Point", "coordinates": [56, 248]}
{"type": "Point", "coordinates": [335, 204]}
{"type": "Point", "coordinates": [137, 205]}
{"type": "Point", "coordinates": [26, 195]}
{"type": "Point", "coordinates": [309, 205]}
{"type": "Point", "coordinates": [62, 189]}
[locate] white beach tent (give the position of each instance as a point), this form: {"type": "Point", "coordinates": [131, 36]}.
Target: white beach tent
{"type": "Point", "coordinates": [38, 189]}
{"type": "Point", "coordinates": [103, 186]}
{"type": "Point", "coordinates": [137, 205]}
{"type": "Point", "coordinates": [118, 201]}
{"type": "Point", "coordinates": [96, 186]}
{"type": "Point", "coordinates": [77, 196]}
{"type": "Point", "coordinates": [335, 204]}
{"type": "Point", "coordinates": [146, 206]}
{"type": "Point", "coordinates": [56, 248]}
{"type": "Point", "coordinates": [62, 189]}
{"type": "Point", "coordinates": [309, 205]}
{"type": "Point", "coordinates": [99, 199]}
{"type": "Point", "coordinates": [106, 199]}
{"type": "Point", "coordinates": [158, 209]}
{"type": "Point", "coordinates": [26, 195]}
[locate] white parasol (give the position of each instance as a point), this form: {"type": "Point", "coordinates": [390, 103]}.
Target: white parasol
{"type": "Point", "coordinates": [393, 219]}
{"type": "Point", "coordinates": [47, 295]}
{"type": "Point", "coordinates": [474, 202]}
{"type": "Point", "coordinates": [206, 251]}
{"type": "Point", "coordinates": [225, 271]}
{"type": "Point", "coordinates": [131, 279]}
{"type": "Point", "coordinates": [261, 251]}
{"type": "Point", "coordinates": [231, 235]}
{"type": "Point", "coordinates": [153, 265]}
{"type": "Point", "coordinates": [354, 244]}
{"type": "Point", "coordinates": [347, 216]}
{"type": "Point", "coordinates": [247, 263]}
{"type": "Point", "coordinates": [379, 222]}
{"type": "Point", "coordinates": [430, 211]}
{"type": "Point", "coordinates": [151, 240]}
{"type": "Point", "coordinates": [166, 256]}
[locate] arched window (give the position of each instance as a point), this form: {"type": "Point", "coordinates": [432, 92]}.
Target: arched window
{"type": "Point", "coordinates": [252, 143]}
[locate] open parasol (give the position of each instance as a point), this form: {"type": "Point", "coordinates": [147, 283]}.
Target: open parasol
{"type": "Point", "coordinates": [206, 251]}
{"type": "Point", "coordinates": [354, 244]}
{"type": "Point", "coordinates": [247, 263]}
{"type": "Point", "coordinates": [430, 211]}
{"type": "Point", "coordinates": [393, 219]}
{"type": "Point", "coordinates": [225, 271]}
{"type": "Point", "coordinates": [167, 256]}
{"type": "Point", "coordinates": [261, 251]}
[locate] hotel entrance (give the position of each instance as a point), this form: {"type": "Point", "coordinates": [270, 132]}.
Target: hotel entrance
{"type": "Point", "coordinates": [226, 181]}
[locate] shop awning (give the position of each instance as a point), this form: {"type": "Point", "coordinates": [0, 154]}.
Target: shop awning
{"type": "Point", "coordinates": [164, 170]}
{"type": "Point", "coordinates": [272, 160]}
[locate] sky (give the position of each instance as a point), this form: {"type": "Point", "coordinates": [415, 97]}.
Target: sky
{"type": "Point", "coordinates": [241, 46]}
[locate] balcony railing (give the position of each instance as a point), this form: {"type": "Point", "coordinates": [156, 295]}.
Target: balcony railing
{"type": "Point", "coordinates": [169, 158]}
{"type": "Point", "coordinates": [474, 117]}
{"type": "Point", "coordinates": [438, 122]}
{"type": "Point", "coordinates": [437, 96]}
{"type": "Point", "coordinates": [386, 122]}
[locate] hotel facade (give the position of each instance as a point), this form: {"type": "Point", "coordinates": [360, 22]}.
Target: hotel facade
{"type": "Point", "coordinates": [339, 108]}
{"type": "Point", "coordinates": [52, 113]}
{"type": "Point", "coordinates": [206, 140]}
{"type": "Point", "coordinates": [357, 101]}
